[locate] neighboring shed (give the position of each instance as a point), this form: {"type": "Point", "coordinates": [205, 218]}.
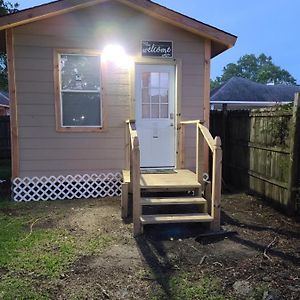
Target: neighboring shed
{"type": "Point", "coordinates": [242, 93]}
{"type": "Point", "coordinates": [80, 72]}
{"type": "Point", "coordinates": [4, 104]}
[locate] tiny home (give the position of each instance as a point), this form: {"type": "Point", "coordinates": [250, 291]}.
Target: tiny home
{"type": "Point", "coordinates": [93, 82]}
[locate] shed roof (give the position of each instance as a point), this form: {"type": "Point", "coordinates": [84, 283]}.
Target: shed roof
{"type": "Point", "coordinates": [245, 90]}
{"type": "Point", "coordinates": [221, 40]}
{"type": "Point", "coordinates": [4, 101]}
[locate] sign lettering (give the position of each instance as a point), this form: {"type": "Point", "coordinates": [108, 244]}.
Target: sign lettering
{"type": "Point", "coordinates": [163, 49]}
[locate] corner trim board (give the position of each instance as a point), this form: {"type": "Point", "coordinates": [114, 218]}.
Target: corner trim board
{"type": "Point", "coordinates": [206, 95]}
{"type": "Point", "coordinates": [14, 130]}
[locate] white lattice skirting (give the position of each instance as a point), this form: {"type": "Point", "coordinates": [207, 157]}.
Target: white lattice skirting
{"type": "Point", "coordinates": [67, 187]}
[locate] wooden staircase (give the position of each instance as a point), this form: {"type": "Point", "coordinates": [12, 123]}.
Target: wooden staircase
{"type": "Point", "coordinates": [176, 197]}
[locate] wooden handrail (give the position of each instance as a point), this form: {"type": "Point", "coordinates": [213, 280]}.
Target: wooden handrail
{"type": "Point", "coordinates": [190, 122]}
{"type": "Point", "coordinates": [133, 160]}
{"type": "Point", "coordinates": [207, 135]}
{"type": "Point", "coordinates": [214, 144]}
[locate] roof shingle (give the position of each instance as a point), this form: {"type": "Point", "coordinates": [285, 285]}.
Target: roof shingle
{"type": "Point", "coordinates": [245, 90]}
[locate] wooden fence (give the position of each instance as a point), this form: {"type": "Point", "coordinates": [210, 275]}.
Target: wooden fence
{"type": "Point", "coordinates": [261, 151]}
{"type": "Point", "coordinates": [4, 137]}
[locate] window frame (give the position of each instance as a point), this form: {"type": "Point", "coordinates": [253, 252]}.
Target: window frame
{"type": "Point", "coordinates": [58, 92]}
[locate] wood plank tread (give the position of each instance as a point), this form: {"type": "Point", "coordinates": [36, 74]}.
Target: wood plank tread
{"type": "Point", "coordinates": [172, 201]}
{"type": "Point", "coordinates": [185, 218]}
{"type": "Point", "coordinates": [180, 180]}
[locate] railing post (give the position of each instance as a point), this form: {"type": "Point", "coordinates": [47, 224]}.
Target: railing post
{"type": "Point", "coordinates": [199, 155]}
{"type": "Point", "coordinates": [216, 185]}
{"type": "Point", "coordinates": [136, 188]}
{"type": "Point", "coordinates": [181, 146]}
{"type": "Point", "coordinates": [127, 147]}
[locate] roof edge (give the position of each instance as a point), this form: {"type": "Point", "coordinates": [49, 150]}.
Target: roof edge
{"type": "Point", "coordinates": [221, 40]}
{"type": "Point", "coordinates": [43, 11]}
{"type": "Point", "coordinates": [180, 20]}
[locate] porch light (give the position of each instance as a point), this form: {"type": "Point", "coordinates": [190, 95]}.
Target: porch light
{"type": "Point", "coordinates": [117, 55]}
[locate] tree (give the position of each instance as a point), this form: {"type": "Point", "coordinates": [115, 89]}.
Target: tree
{"type": "Point", "coordinates": [259, 69]}
{"type": "Point", "coordinates": [5, 8]}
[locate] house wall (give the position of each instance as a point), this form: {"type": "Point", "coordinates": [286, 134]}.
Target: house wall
{"type": "Point", "coordinates": [43, 150]}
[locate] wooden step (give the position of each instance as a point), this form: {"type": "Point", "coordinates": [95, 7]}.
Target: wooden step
{"type": "Point", "coordinates": [181, 179]}
{"type": "Point", "coordinates": [172, 201]}
{"type": "Point", "coordinates": [186, 218]}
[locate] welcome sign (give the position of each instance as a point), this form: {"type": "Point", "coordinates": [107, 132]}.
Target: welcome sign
{"type": "Point", "coordinates": [163, 49]}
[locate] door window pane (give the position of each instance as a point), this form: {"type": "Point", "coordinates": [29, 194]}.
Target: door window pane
{"type": "Point", "coordinates": [155, 111]}
{"type": "Point", "coordinates": [145, 95]}
{"type": "Point", "coordinates": [146, 79]}
{"type": "Point", "coordinates": [81, 109]}
{"type": "Point", "coordinates": [154, 80]}
{"type": "Point", "coordinates": [164, 111]}
{"type": "Point", "coordinates": [164, 97]}
{"type": "Point", "coordinates": [164, 80]}
{"type": "Point", "coordinates": [154, 95]}
{"type": "Point", "coordinates": [146, 111]}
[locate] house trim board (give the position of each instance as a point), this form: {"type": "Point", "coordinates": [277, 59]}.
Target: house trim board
{"type": "Point", "coordinates": [15, 159]}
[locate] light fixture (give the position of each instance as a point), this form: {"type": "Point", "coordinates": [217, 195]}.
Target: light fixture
{"type": "Point", "coordinates": [117, 55]}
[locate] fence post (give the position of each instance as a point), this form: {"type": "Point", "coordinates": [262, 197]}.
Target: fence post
{"type": "Point", "coordinates": [224, 141]}
{"type": "Point", "coordinates": [216, 185]}
{"type": "Point", "coordinates": [294, 157]}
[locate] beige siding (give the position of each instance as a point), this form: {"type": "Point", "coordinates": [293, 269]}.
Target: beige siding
{"type": "Point", "coordinates": [43, 151]}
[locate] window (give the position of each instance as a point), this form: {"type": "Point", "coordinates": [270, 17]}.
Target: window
{"type": "Point", "coordinates": [155, 95]}
{"type": "Point", "coordinates": [79, 85]}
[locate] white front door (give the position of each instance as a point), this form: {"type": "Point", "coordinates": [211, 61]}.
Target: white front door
{"type": "Point", "coordinates": [155, 115]}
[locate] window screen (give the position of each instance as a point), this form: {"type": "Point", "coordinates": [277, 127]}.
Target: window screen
{"type": "Point", "coordinates": [80, 90]}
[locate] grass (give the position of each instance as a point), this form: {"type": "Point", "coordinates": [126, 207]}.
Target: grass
{"type": "Point", "coordinates": [28, 255]}
{"type": "Point", "coordinates": [5, 169]}
{"type": "Point", "coordinates": [45, 252]}
{"type": "Point", "coordinates": [15, 288]}
{"type": "Point", "coordinates": [184, 287]}
{"type": "Point", "coordinates": [97, 244]}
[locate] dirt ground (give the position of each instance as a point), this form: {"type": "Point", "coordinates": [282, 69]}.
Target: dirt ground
{"type": "Point", "coordinates": [142, 268]}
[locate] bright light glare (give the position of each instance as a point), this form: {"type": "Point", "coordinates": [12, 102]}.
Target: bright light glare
{"type": "Point", "coordinates": [117, 55]}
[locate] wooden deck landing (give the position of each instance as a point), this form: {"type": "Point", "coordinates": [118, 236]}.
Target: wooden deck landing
{"type": "Point", "coordinates": [181, 179]}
